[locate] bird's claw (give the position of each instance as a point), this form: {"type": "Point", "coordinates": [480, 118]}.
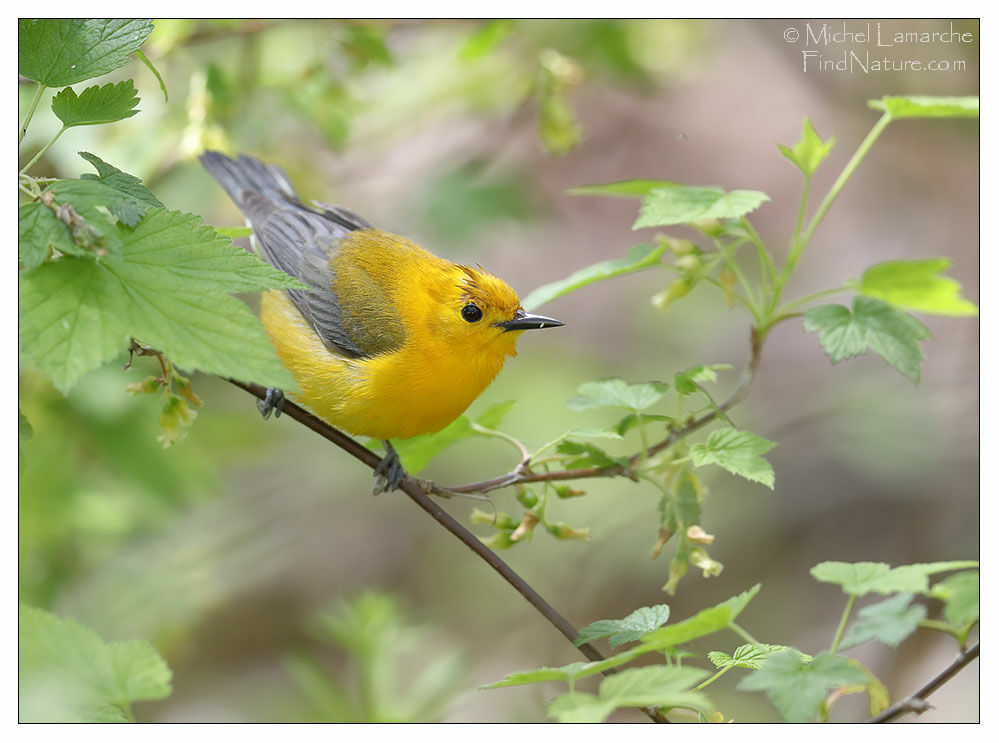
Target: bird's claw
{"type": "Point", "coordinates": [273, 402]}
{"type": "Point", "coordinates": [389, 473]}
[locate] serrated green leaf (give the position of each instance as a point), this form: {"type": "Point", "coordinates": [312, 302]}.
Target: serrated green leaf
{"type": "Point", "coordinates": [638, 258]}
{"type": "Point", "coordinates": [892, 334]}
{"type": "Point", "coordinates": [595, 432]}
{"type": "Point", "coordinates": [579, 707]}
{"type": "Point", "coordinates": [596, 630]}
{"type": "Point", "coordinates": [678, 204]}
{"type": "Point", "coordinates": [888, 622]}
{"type": "Point", "coordinates": [809, 152]}
{"type": "Point", "coordinates": [96, 105]}
{"type": "Point", "coordinates": [927, 106]}
{"type": "Point", "coordinates": [616, 393]}
{"type": "Point", "coordinates": [959, 593]}
{"type": "Point", "coordinates": [705, 622]}
{"type": "Point", "coordinates": [796, 688]}
{"type": "Point", "coordinates": [169, 287]}
{"type": "Point", "coordinates": [126, 197]}
{"type": "Point", "coordinates": [629, 629]}
{"type": "Point", "coordinates": [917, 285]}
{"type": "Point", "coordinates": [58, 51]}
{"type": "Point", "coordinates": [66, 673]}
{"type": "Point", "coordinates": [861, 578]}
{"type": "Point", "coordinates": [750, 656]}
{"type": "Point", "coordinates": [739, 452]}
{"type": "Point", "coordinates": [38, 231]}
{"type": "Point", "coordinates": [635, 187]}
{"type": "Point", "coordinates": [666, 686]}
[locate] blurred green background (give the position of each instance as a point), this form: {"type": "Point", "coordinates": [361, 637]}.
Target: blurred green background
{"type": "Point", "coordinates": [464, 135]}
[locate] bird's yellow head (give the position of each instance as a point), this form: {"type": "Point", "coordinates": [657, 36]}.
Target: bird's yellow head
{"type": "Point", "coordinates": [481, 313]}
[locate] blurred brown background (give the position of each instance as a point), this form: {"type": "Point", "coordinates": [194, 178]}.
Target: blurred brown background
{"type": "Point", "coordinates": [218, 549]}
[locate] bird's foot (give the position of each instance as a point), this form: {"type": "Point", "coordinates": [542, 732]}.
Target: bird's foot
{"type": "Point", "coordinates": [389, 473]}
{"type": "Point", "coordinates": [273, 402]}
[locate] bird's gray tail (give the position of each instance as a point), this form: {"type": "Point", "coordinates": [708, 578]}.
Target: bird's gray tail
{"type": "Point", "coordinates": [245, 175]}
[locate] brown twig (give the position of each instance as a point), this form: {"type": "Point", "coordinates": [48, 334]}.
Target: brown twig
{"type": "Point", "coordinates": [522, 473]}
{"type": "Point", "coordinates": [415, 491]}
{"type": "Point", "coordinates": [916, 702]}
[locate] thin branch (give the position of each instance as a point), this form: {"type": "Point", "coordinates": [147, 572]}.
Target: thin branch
{"type": "Point", "coordinates": [522, 475]}
{"type": "Point", "coordinates": [916, 702]}
{"type": "Point", "coordinates": [415, 491]}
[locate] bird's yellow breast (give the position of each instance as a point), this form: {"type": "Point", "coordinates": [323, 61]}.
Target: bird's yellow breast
{"type": "Point", "coordinates": [419, 388]}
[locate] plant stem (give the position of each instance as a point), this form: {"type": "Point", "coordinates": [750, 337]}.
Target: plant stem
{"type": "Point", "coordinates": [745, 635]}
{"type": "Point", "coordinates": [848, 169]}
{"type": "Point", "coordinates": [800, 241]}
{"type": "Point", "coordinates": [31, 112]}
{"type": "Point", "coordinates": [767, 267]}
{"type": "Point", "coordinates": [714, 678]}
{"type": "Point", "coordinates": [842, 624]}
{"type": "Point", "coordinates": [42, 151]}
{"type": "Point", "coordinates": [811, 298]}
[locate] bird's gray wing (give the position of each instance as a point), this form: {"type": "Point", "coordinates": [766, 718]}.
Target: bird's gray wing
{"type": "Point", "coordinates": [300, 241]}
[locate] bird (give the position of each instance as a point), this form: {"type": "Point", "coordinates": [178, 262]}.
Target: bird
{"type": "Point", "coordinates": [388, 341]}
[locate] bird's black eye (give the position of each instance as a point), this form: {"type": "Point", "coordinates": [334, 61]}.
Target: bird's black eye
{"type": "Point", "coordinates": [471, 313]}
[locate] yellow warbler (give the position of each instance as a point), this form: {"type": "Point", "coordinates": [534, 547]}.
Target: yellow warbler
{"type": "Point", "coordinates": [390, 341]}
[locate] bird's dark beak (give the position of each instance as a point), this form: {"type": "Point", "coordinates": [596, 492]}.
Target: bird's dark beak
{"type": "Point", "coordinates": [526, 321]}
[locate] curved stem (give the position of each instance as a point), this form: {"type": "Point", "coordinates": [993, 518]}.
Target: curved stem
{"type": "Point", "coordinates": [31, 112]}
{"type": "Point", "coordinates": [413, 489]}
{"type": "Point", "coordinates": [838, 637]}
{"type": "Point", "coordinates": [42, 151]}
{"type": "Point", "coordinates": [916, 702]}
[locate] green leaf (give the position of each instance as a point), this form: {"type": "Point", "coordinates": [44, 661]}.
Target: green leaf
{"type": "Point", "coordinates": [485, 39]}
{"type": "Point", "coordinates": [616, 393]}
{"type": "Point", "coordinates": [39, 230]}
{"type": "Point", "coordinates": [492, 417]}
{"type": "Point", "coordinates": [169, 288]}
{"type": "Point", "coordinates": [631, 188]}
{"type": "Point", "coordinates": [739, 452]}
{"type": "Point", "coordinates": [639, 257]}
{"type": "Point", "coordinates": [126, 197]}
{"type": "Point", "coordinates": [892, 334]}
{"type": "Point", "coordinates": [629, 629]}
{"type": "Point", "coordinates": [959, 593]}
{"type": "Point", "coordinates": [917, 285]}
{"type": "Point", "coordinates": [579, 707]}
{"type": "Point", "coordinates": [234, 232]}
{"type": "Point", "coordinates": [927, 106]}
{"type": "Point", "coordinates": [686, 382]}
{"type": "Point", "coordinates": [96, 105]}
{"type": "Point", "coordinates": [666, 686]}
{"type": "Point", "coordinates": [798, 688]}
{"type": "Point", "coordinates": [24, 429]}
{"type": "Point", "coordinates": [66, 673]}
{"type": "Point", "coordinates": [58, 52]}
{"type": "Point", "coordinates": [416, 452]}
{"type": "Point", "coordinates": [678, 204]}
{"type": "Point", "coordinates": [571, 672]}
{"type": "Point", "coordinates": [810, 150]}
{"type": "Point", "coordinates": [750, 656]}
{"type": "Point", "coordinates": [888, 622]}
{"type": "Point", "coordinates": [861, 578]}
{"type": "Point", "coordinates": [588, 455]}
{"type": "Point", "coordinates": [632, 420]}
{"type": "Point", "coordinates": [705, 622]}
